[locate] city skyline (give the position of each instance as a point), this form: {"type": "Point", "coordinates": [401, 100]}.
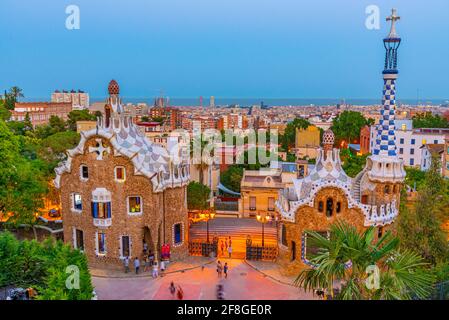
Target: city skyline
{"type": "Point", "coordinates": [269, 50]}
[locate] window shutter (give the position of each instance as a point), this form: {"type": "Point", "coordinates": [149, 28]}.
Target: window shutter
{"type": "Point", "coordinates": [108, 204]}
{"type": "Point", "coordinates": [94, 209]}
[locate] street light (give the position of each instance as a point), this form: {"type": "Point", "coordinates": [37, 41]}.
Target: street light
{"type": "Point", "coordinates": [263, 217]}
{"type": "Point", "coordinates": [206, 215]}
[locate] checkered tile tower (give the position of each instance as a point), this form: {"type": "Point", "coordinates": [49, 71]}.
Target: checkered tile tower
{"type": "Point", "coordinates": [386, 140]}
{"type": "Point", "coordinates": [384, 164]}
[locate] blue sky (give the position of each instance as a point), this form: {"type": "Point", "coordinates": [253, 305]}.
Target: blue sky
{"type": "Point", "coordinates": [225, 48]}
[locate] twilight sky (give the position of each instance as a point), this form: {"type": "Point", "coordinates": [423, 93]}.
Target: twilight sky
{"type": "Point", "coordinates": [225, 48]}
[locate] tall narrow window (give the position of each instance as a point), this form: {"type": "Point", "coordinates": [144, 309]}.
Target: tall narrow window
{"type": "Point", "coordinates": [134, 205]}
{"type": "Point", "coordinates": [177, 233]}
{"type": "Point", "coordinates": [284, 235]}
{"type": "Point", "coordinates": [252, 203]}
{"type": "Point", "coordinates": [120, 174]}
{"type": "Point", "coordinates": [293, 251]}
{"type": "Point", "coordinates": [84, 172]}
{"type": "Point", "coordinates": [79, 239]}
{"type": "Point", "coordinates": [329, 207]}
{"type": "Point", "coordinates": [77, 203]}
{"type": "Point", "coordinates": [338, 208]}
{"type": "Point", "coordinates": [101, 243]}
{"type": "Point", "coordinates": [125, 246]}
{"type": "Point", "coordinates": [320, 206]}
{"type": "Point", "coordinates": [270, 204]}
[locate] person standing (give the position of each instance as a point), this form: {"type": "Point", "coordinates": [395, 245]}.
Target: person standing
{"type": "Point", "coordinates": [126, 263]}
{"type": "Point", "coordinates": [230, 241]}
{"type": "Point", "coordinates": [222, 247]}
{"type": "Point", "coordinates": [226, 244]}
{"type": "Point", "coordinates": [155, 272]}
{"type": "Point", "coordinates": [172, 289]}
{"type": "Point", "coordinates": [225, 270]}
{"type": "Point", "coordinates": [162, 266]}
{"type": "Point", "coordinates": [147, 264]}
{"type": "Point", "coordinates": [145, 247]}
{"type": "Point", "coordinates": [219, 269]}
{"type": "Point", "coordinates": [137, 264]}
{"type": "Point", "coordinates": [180, 293]}
{"type": "Point", "coordinates": [230, 251]}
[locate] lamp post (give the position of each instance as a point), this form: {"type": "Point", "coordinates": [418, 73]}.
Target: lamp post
{"type": "Point", "coordinates": [263, 218]}
{"type": "Point", "coordinates": [206, 215]}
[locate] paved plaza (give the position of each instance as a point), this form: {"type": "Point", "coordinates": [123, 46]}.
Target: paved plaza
{"type": "Point", "coordinates": [243, 282]}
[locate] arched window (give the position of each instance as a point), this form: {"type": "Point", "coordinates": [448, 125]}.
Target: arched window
{"type": "Point", "coordinates": [320, 206]}
{"type": "Point", "coordinates": [387, 189]}
{"type": "Point", "coordinates": [329, 207]}
{"type": "Point", "coordinates": [338, 208]}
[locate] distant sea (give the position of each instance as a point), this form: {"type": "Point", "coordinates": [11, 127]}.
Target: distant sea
{"type": "Point", "coordinates": [247, 102]}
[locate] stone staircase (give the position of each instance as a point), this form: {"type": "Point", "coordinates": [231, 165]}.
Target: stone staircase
{"type": "Point", "coordinates": [356, 186]}
{"type": "Point", "coordinates": [238, 230]}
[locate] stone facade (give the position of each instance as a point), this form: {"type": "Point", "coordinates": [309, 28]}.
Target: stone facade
{"type": "Point", "coordinates": [312, 219]}
{"type": "Point", "coordinates": [101, 175]}
{"type": "Point", "coordinates": [118, 190]}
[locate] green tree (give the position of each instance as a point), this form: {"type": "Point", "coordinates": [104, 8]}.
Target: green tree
{"type": "Point", "coordinates": [414, 177]}
{"type": "Point", "coordinates": [79, 115]}
{"type": "Point", "coordinates": [245, 159]}
{"type": "Point", "coordinates": [346, 126]}
{"type": "Point", "coordinates": [43, 266]}
{"type": "Point", "coordinates": [287, 140]}
{"type": "Point", "coordinates": [352, 164]}
{"type": "Point", "coordinates": [402, 274]}
{"type": "Point", "coordinates": [428, 120]}
{"type": "Point", "coordinates": [420, 228]}
{"type": "Point", "coordinates": [22, 184]}
{"type": "Point", "coordinates": [197, 196]}
{"type": "Point", "coordinates": [232, 177]}
{"type": "Point", "coordinates": [5, 114]}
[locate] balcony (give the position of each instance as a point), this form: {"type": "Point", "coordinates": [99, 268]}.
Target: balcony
{"type": "Point", "coordinates": [103, 222]}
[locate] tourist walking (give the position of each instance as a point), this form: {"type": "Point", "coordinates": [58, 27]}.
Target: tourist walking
{"type": "Point", "coordinates": [126, 264]}
{"type": "Point", "coordinates": [172, 289]}
{"type": "Point", "coordinates": [147, 264]}
{"type": "Point", "coordinates": [151, 258]}
{"type": "Point", "coordinates": [219, 269]}
{"type": "Point", "coordinates": [230, 241]}
{"type": "Point", "coordinates": [180, 293]}
{"type": "Point", "coordinates": [155, 272]}
{"type": "Point", "coordinates": [222, 247]}
{"type": "Point", "coordinates": [137, 264]}
{"type": "Point", "coordinates": [162, 266]}
{"type": "Point", "coordinates": [226, 244]}
{"type": "Point", "coordinates": [225, 270]}
{"type": "Point", "coordinates": [230, 251]}
{"type": "Point", "coordinates": [145, 247]}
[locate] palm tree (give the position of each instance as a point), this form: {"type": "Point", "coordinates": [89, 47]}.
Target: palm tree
{"type": "Point", "coordinates": [344, 258]}
{"type": "Point", "coordinates": [16, 92]}
{"type": "Point", "coordinates": [199, 157]}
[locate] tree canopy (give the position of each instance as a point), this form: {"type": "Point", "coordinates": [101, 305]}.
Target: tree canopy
{"type": "Point", "coordinates": [420, 227]}
{"type": "Point", "coordinates": [287, 140]}
{"type": "Point", "coordinates": [43, 266]}
{"type": "Point", "coordinates": [197, 196]}
{"type": "Point", "coordinates": [346, 126]}
{"type": "Point", "coordinates": [232, 177]}
{"type": "Point", "coordinates": [428, 120]}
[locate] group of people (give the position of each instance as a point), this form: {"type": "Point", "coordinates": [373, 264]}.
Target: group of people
{"type": "Point", "coordinates": [149, 263]}
{"type": "Point", "coordinates": [176, 291]}
{"type": "Point", "coordinates": [222, 269]}
{"type": "Point", "coordinates": [226, 245]}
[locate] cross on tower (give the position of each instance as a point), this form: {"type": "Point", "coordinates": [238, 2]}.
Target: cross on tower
{"type": "Point", "coordinates": [100, 149]}
{"type": "Point", "coordinates": [393, 18]}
